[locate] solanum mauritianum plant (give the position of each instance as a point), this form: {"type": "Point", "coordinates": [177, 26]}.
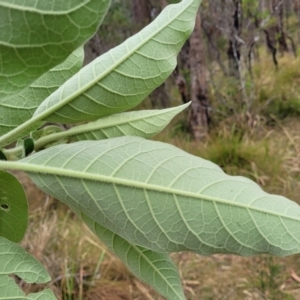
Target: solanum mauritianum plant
{"type": "Point", "coordinates": [143, 199]}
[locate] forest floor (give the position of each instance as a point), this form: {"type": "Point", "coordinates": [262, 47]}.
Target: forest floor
{"type": "Point", "coordinates": [267, 150]}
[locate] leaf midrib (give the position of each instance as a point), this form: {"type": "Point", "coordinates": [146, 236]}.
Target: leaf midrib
{"type": "Point", "coordinates": [47, 170]}
{"type": "Point", "coordinates": [137, 249]}
{"type": "Point", "coordinates": [138, 117]}
{"type": "Point", "coordinates": [102, 75]}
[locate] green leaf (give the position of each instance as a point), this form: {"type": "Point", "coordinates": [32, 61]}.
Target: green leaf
{"type": "Point", "coordinates": [19, 108]}
{"type": "Point", "coordinates": [36, 36]}
{"type": "Point", "coordinates": [28, 145]}
{"type": "Point", "coordinates": [156, 269]}
{"type": "Point", "coordinates": [159, 197]}
{"type": "Point", "coordinates": [14, 260]}
{"type": "Point", "coordinates": [145, 124]}
{"type": "Point", "coordinates": [124, 76]}
{"type": "Point", "coordinates": [13, 208]}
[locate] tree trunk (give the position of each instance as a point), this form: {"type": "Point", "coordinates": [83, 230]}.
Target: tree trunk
{"type": "Point", "coordinates": [181, 72]}
{"type": "Point", "coordinates": [271, 43]}
{"type": "Point", "coordinates": [297, 11]}
{"type": "Point", "coordinates": [277, 7]}
{"type": "Point", "coordinates": [270, 32]}
{"type": "Point", "coordinates": [233, 51]}
{"type": "Point", "coordinates": [199, 118]}
{"type": "Point", "coordinates": [163, 3]}
{"type": "Point", "coordinates": [92, 49]}
{"type": "Point", "coordinates": [141, 13]}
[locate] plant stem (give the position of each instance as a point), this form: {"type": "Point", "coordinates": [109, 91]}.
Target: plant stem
{"type": "Point", "coordinates": [14, 153]}
{"type": "Point", "coordinates": [54, 137]}
{"type": "Point", "coordinates": [16, 133]}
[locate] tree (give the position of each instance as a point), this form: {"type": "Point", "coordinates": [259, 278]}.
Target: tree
{"type": "Point", "coordinates": [199, 117]}
{"type": "Point", "coordinates": [277, 10]}
{"type": "Point", "coordinates": [141, 12]}
{"type": "Point", "coordinates": [297, 11]}
{"type": "Point", "coordinates": [233, 51]}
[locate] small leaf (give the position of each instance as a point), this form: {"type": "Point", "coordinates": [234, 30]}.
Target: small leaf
{"type": "Point", "coordinates": [124, 76]}
{"type": "Point", "coordinates": [156, 269]}
{"type": "Point", "coordinates": [13, 208]}
{"type": "Point", "coordinates": [28, 146]}
{"type": "Point", "coordinates": [49, 136]}
{"type": "Point", "coordinates": [14, 260]}
{"type": "Point", "coordinates": [141, 123]}
{"type": "Point", "coordinates": [161, 198]}
{"type": "Point", "coordinates": [46, 131]}
{"type": "Point", "coordinates": [145, 123]}
{"type": "Point", "coordinates": [19, 108]}
{"type": "Point", "coordinates": [36, 36]}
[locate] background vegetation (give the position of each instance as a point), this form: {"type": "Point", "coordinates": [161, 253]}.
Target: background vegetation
{"type": "Point", "coordinates": [248, 124]}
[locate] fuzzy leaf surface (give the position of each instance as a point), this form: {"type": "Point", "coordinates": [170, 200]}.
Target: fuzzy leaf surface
{"type": "Point", "coordinates": [156, 269]}
{"type": "Point", "coordinates": [36, 36]}
{"type": "Point", "coordinates": [19, 108]}
{"type": "Point", "coordinates": [14, 260]}
{"type": "Point", "coordinates": [157, 196]}
{"type": "Point", "coordinates": [124, 76]}
{"type": "Point", "coordinates": [141, 123]}
{"type": "Point", "coordinates": [13, 208]}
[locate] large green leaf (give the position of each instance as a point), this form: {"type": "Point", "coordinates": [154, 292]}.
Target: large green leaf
{"type": "Point", "coordinates": [14, 260]}
{"type": "Point", "coordinates": [159, 197]}
{"type": "Point", "coordinates": [35, 36]}
{"type": "Point", "coordinates": [20, 107]}
{"type": "Point", "coordinates": [124, 76]}
{"type": "Point", "coordinates": [13, 208]}
{"type": "Point", "coordinates": [156, 269]}
{"type": "Point", "coordinates": [143, 123]}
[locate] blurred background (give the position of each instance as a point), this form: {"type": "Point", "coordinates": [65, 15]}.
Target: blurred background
{"type": "Point", "coordinates": [241, 71]}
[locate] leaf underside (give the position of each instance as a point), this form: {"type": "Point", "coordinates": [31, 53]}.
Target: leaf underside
{"type": "Point", "coordinates": [19, 108]}
{"type": "Point", "coordinates": [35, 36]}
{"type": "Point", "coordinates": [156, 269]}
{"type": "Point", "coordinates": [124, 76]}
{"type": "Point", "coordinates": [161, 198]}
{"type": "Point", "coordinates": [14, 260]}
{"type": "Point", "coordinates": [143, 123]}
